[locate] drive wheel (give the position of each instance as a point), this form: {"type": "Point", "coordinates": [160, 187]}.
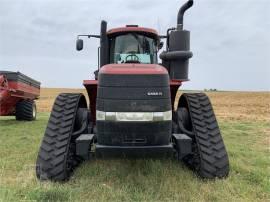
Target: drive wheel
{"type": "Point", "coordinates": [57, 155]}
{"type": "Point", "coordinates": [209, 158]}
{"type": "Point", "coordinates": [26, 110]}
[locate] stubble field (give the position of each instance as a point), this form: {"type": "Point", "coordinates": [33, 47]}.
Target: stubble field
{"type": "Point", "coordinates": [244, 119]}
{"type": "Point", "coordinates": [247, 106]}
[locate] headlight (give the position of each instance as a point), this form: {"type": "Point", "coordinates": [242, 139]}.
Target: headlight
{"type": "Point", "coordinates": [110, 116]}
{"type": "Point", "coordinates": [167, 116]}
{"type": "Point", "coordinates": [162, 116]}
{"type": "Point", "coordinates": [134, 116]}
{"type": "Point", "coordinates": [100, 115]}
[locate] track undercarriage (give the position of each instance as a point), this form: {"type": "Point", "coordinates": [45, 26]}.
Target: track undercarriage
{"type": "Point", "coordinates": [70, 138]}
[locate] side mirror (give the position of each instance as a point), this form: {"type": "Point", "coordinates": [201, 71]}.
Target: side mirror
{"type": "Point", "coordinates": [79, 44]}
{"type": "Point", "coordinates": [160, 45]}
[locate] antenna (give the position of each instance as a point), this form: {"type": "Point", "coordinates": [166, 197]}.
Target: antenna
{"type": "Point", "coordinates": [158, 25]}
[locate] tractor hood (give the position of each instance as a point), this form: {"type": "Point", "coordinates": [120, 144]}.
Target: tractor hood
{"type": "Point", "coordinates": [133, 75]}
{"type": "Point", "coordinates": [133, 87]}
{"type": "Point", "coordinates": [135, 92]}
{"type": "Point", "coordinates": [133, 69]}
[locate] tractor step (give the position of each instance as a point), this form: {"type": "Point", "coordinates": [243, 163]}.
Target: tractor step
{"type": "Point", "coordinates": [83, 145]}
{"type": "Point", "coordinates": [183, 144]}
{"type": "Point", "coordinates": [134, 151]}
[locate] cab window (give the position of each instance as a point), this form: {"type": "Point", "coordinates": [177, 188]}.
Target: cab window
{"type": "Point", "coordinates": [133, 48]}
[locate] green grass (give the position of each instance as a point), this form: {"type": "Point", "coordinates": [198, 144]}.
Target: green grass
{"type": "Point", "coordinates": [135, 180]}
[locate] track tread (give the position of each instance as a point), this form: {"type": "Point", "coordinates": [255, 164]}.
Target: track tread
{"type": "Point", "coordinates": [211, 159]}
{"type": "Point", "coordinates": [56, 158]}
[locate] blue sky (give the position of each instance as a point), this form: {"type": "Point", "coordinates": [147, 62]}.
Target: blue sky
{"type": "Point", "coordinates": [230, 39]}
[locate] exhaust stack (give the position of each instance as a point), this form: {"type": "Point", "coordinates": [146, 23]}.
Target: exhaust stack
{"type": "Point", "coordinates": [176, 57]}
{"type": "Point", "coordinates": [181, 12]}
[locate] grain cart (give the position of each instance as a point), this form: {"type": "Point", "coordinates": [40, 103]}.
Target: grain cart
{"type": "Point", "coordinates": [131, 109]}
{"type": "Point", "coordinates": [18, 93]}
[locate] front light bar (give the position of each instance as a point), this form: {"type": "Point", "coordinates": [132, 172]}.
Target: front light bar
{"type": "Point", "coordinates": [133, 116]}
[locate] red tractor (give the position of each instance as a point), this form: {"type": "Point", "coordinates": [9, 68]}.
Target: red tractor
{"type": "Point", "coordinates": [131, 111]}
{"type": "Point", "coordinates": [18, 93]}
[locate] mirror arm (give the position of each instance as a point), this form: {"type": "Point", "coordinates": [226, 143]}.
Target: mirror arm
{"type": "Point", "coordinates": [89, 36]}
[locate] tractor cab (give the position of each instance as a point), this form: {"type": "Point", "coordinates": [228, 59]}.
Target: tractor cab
{"type": "Point", "coordinates": [133, 44]}
{"type": "Point", "coordinates": [130, 44]}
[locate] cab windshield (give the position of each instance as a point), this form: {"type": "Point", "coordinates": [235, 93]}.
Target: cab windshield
{"type": "Point", "coordinates": [133, 48]}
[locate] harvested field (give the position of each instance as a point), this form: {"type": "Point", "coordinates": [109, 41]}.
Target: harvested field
{"type": "Point", "coordinates": [48, 95]}
{"type": "Point", "coordinates": [250, 106]}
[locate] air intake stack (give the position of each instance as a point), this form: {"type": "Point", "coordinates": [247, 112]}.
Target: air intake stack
{"type": "Point", "coordinates": [176, 57]}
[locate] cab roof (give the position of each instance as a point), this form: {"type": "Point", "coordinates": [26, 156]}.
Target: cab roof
{"type": "Point", "coordinates": [133, 28]}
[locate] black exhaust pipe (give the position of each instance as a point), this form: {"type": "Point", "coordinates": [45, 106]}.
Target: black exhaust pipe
{"type": "Point", "coordinates": [104, 47]}
{"type": "Point", "coordinates": [180, 16]}
{"type": "Point", "coordinates": [177, 55]}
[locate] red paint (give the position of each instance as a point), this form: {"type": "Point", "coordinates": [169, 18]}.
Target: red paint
{"type": "Point", "coordinates": [133, 29]}
{"type": "Point", "coordinates": [13, 92]}
{"type": "Point", "coordinates": [176, 82]}
{"type": "Point", "coordinates": [91, 87]}
{"type": "Point", "coordinates": [133, 69]}
{"type": "Point", "coordinates": [23, 90]}
{"type": "Point", "coordinates": [7, 107]}
{"type": "Point", "coordinates": [90, 82]}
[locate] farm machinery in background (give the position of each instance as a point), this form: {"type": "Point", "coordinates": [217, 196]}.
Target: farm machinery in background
{"type": "Point", "coordinates": [18, 93]}
{"type": "Point", "coordinates": [131, 110]}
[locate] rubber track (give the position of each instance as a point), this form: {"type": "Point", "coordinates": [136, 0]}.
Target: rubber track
{"type": "Point", "coordinates": [56, 159]}
{"type": "Point", "coordinates": [211, 159]}
{"type": "Point", "coordinates": [24, 110]}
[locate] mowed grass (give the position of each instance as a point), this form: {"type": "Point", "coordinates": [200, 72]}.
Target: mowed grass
{"type": "Point", "coordinates": [247, 142]}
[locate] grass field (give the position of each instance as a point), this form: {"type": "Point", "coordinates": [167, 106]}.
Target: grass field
{"type": "Point", "coordinates": [244, 119]}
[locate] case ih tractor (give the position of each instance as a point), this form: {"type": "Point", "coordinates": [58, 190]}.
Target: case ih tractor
{"type": "Point", "coordinates": [18, 93]}
{"type": "Point", "coordinates": [131, 111]}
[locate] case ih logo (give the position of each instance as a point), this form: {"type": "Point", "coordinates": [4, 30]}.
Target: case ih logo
{"type": "Point", "coordinates": [155, 93]}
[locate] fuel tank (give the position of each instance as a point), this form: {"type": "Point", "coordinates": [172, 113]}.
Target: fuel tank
{"type": "Point", "coordinates": [133, 105]}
